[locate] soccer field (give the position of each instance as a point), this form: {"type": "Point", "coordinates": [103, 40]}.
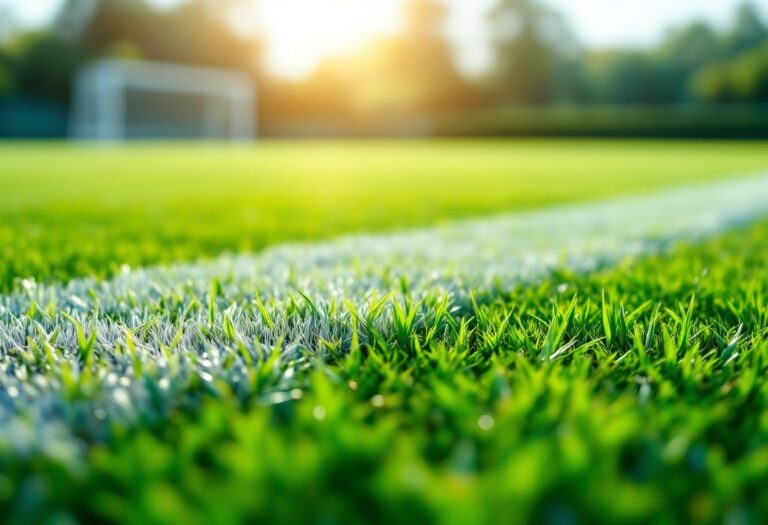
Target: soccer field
{"type": "Point", "coordinates": [70, 211]}
{"type": "Point", "coordinates": [377, 332]}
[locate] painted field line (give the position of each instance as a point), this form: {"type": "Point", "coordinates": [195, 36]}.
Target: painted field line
{"type": "Point", "coordinates": [167, 310]}
{"type": "Point", "coordinates": [454, 258]}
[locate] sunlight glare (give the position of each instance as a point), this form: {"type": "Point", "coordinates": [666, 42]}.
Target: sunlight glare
{"type": "Point", "coordinates": [300, 33]}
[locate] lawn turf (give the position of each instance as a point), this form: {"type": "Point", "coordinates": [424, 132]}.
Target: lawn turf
{"type": "Point", "coordinates": [628, 395]}
{"type": "Point", "coordinates": [74, 210]}
{"type": "Point", "coordinates": [631, 395]}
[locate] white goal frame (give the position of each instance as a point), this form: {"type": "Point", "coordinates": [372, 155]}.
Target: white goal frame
{"type": "Point", "coordinates": [99, 109]}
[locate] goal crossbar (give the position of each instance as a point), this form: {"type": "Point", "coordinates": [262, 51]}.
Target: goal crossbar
{"type": "Point", "coordinates": [100, 95]}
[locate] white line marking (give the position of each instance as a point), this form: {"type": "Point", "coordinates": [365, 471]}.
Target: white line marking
{"type": "Point", "coordinates": [451, 260]}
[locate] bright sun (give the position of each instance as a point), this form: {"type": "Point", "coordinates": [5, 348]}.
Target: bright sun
{"type": "Point", "coordinates": [300, 33]}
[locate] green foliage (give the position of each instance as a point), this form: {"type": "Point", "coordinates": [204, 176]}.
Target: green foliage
{"type": "Point", "coordinates": [407, 74]}
{"type": "Point", "coordinates": [650, 121]}
{"type": "Point", "coordinates": [531, 42]}
{"type": "Point", "coordinates": [408, 82]}
{"type": "Point", "coordinates": [6, 77]}
{"type": "Point", "coordinates": [40, 65]}
{"type": "Point", "coordinates": [694, 63]}
{"type": "Point", "coordinates": [109, 26]}
{"type": "Point", "coordinates": [744, 79]}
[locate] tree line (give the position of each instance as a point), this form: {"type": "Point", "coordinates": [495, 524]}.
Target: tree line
{"type": "Point", "coordinates": [537, 62]}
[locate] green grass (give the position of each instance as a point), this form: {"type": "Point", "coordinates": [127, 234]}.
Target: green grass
{"type": "Point", "coordinates": [68, 211]}
{"type": "Point", "coordinates": [631, 394]}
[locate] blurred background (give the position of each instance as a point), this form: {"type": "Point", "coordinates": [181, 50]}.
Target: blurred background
{"type": "Point", "coordinates": [303, 68]}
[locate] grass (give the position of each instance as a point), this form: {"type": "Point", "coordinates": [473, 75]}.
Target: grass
{"type": "Point", "coordinates": [69, 211]}
{"type": "Point", "coordinates": [628, 394]}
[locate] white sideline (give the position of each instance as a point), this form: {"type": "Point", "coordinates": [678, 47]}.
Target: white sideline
{"type": "Point", "coordinates": [453, 260]}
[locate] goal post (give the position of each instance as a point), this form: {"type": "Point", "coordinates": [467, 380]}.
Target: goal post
{"type": "Point", "coordinates": [125, 99]}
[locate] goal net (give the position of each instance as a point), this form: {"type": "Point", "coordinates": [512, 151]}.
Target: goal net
{"type": "Point", "coordinates": [117, 99]}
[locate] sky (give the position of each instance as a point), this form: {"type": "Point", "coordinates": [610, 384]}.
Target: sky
{"type": "Point", "coordinates": [296, 43]}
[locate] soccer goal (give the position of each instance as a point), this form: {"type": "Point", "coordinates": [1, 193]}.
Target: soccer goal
{"type": "Point", "coordinates": [120, 99]}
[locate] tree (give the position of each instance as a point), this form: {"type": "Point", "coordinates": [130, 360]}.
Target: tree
{"type": "Point", "coordinates": [743, 79]}
{"type": "Point", "coordinates": [748, 32]}
{"type": "Point", "coordinates": [530, 43]}
{"type": "Point", "coordinates": [428, 58]}
{"type": "Point", "coordinates": [691, 46]}
{"type": "Point", "coordinates": [413, 72]}
{"type": "Point", "coordinates": [632, 78]}
{"type": "Point", "coordinates": [192, 33]}
{"type": "Point", "coordinates": [42, 65]}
